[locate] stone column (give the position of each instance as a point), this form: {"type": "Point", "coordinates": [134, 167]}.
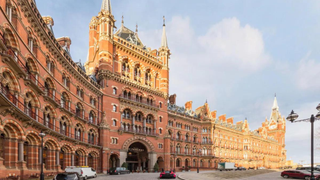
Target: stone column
{"type": "Point", "coordinates": [152, 160]}
{"type": "Point", "coordinates": [20, 151]}
{"type": "Point", "coordinates": [86, 160]}
{"type": "Point", "coordinates": [123, 156]}
{"type": "Point", "coordinates": [72, 159]}
{"type": "Point", "coordinates": [154, 126]}
{"type": "Point", "coordinates": [144, 125]}
{"type": "Point", "coordinates": [133, 123]}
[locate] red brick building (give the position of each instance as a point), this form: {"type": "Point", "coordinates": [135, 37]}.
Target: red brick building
{"type": "Point", "coordinates": [114, 109]}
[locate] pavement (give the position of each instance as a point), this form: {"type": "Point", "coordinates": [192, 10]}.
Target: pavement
{"type": "Point", "coordinates": [204, 175]}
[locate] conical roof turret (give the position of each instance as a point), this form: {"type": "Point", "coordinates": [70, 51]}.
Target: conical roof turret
{"type": "Point", "coordinates": [106, 6]}
{"type": "Point", "coordinates": [164, 42]}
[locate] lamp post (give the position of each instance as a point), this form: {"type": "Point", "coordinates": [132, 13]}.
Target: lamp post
{"type": "Point", "coordinates": [293, 116]}
{"type": "Point", "coordinates": [198, 160]}
{"type": "Point", "coordinates": [41, 134]}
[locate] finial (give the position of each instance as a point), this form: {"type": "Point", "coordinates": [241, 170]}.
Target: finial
{"type": "Point", "coordinates": [206, 101]}
{"type": "Point", "coordinates": [164, 21]}
{"type": "Point", "coordinates": [275, 94]}
{"type": "Point", "coordinates": [122, 22]}
{"type": "Point", "coordinates": [137, 28]}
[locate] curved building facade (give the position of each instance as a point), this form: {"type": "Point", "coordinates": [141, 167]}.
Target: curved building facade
{"type": "Point", "coordinates": [114, 109]}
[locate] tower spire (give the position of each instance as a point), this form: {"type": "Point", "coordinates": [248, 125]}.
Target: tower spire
{"type": "Point", "coordinates": [164, 42]}
{"type": "Point", "coordinates": [106, 6]}
{"type": "Point", "coordinates": [275, 103]}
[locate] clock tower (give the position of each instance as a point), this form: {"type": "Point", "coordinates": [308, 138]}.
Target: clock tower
{"type": "Point", "coordinates": [277, 129]}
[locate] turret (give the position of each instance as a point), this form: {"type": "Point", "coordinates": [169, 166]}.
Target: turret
{"type": "Point", "coordinates": [164, 54]}
{"type": "Point", "coordinates": [101, 40]}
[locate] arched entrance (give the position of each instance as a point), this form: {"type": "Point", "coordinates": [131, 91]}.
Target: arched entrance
{"type": "Point", "coordinates": [137, 157]}
{"type": "Point", "coordinates": [114, 161]}
{"type": "Point", "coordinates": [160, 162]}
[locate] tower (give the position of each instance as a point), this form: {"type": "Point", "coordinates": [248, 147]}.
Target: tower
{"type": "Point", "coordinates": [100, 53]}
{"type": "Point", "coordinates": [164, 54]}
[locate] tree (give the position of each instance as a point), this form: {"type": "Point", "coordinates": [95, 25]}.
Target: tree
{"type": "Point", "coordinates": [156, 167]}
{"type": "Point", "coordinates": [124, 164]}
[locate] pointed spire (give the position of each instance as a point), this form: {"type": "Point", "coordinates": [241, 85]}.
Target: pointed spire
{"type": "Point", "coordinates": [164, 42]}
{"type": "Point", "coordinates": [206, 101]}
{"type": "Point", "coordinates": [275, 103]}
{"type": "Point", "coordinates": [137, 28]}
{"type": "Point", "coordinates": [122, 21]}
{"type": "Point", "coordinates": [106, 6]}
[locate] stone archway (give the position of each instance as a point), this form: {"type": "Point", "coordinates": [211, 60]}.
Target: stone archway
{"type": "Point", "coordinates": [142, 155]}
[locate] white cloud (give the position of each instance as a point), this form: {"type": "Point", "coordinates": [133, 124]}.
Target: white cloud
{"type": "Point", "coordinates": [230, 43]}
{"type": "Point", "coordinates": [308, 73]}
{"type": "Point", "coordinates": [221, 57]}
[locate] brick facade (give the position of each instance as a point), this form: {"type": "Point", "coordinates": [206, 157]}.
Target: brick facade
{"type": "Point", "coordinates": [112, 110]}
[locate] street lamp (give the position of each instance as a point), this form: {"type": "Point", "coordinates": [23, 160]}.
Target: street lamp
{"type": "Point", "coordinates": [293, 116]}
{"type": "Point", "coordinates": [41, 134]}
{"type": "Point", "coordinates": [198, 160]}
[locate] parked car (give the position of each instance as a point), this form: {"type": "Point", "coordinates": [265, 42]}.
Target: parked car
{"type": "Point", "coordinates": [118, 170]}
{"type": "Point", "coordinates": [85, 172]}
{"type": "Point", "coordinates": [67, 176]}
{"type": "Point", "coordinates": [241, 169]}
{"type": "Point", "coordinates": [251, 168]}
{"type": "Point", "coordinates": [298, 174]}
{"type": "Point", "coordinates": [261, 168]}
{"type": "Point", "coordinates": [167, 174]}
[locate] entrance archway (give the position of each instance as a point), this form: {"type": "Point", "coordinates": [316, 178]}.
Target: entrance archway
{"type": "Point", "coordinates": [137, 157]}
{"type": "Point", "coordinates": [160, 162]}
{"type": "Point", "coordinates": [114, 161]}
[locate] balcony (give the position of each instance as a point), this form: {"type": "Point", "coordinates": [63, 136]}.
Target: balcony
{"type": "Point", "coordinates": [208, 142]}
{"type": "Point", "coordinates": [143, 102]}
{"type": "Point", "coordinates": [81, 117]}
{"type": "Point", "coordinates": [34, 83]}
{"type": "Point", "coordinates": [10, 103]}
{"type": "Point", "coordinates": [187, 141]}
{"type": "Point", "coordinates": [66, 108]}
{"type": "Point", "coordinates": [14, 62]}
{"type": "Point", "coordinates": [136, 131]}
{"type": "Point", "coordinates": [48, 96]}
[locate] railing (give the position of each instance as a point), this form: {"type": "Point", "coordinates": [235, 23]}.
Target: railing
{"type": "Point", "coordinates": [33, 115]}
{"type": "Point", "coordinates": [143, 101]}
{"type": "Point", "coordinates": [53, 97]}
{"type": "Point", "coordinates": [137, 131]}
{"type": "Point", "coordinates": [17, 59]}
{"type": "Point", "coordinates": [208, 142]}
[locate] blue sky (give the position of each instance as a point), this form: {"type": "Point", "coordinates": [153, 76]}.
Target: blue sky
{"type": "Point", "coordinates": [235, 54]}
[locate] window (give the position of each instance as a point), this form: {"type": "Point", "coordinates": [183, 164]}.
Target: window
{"type": "Point", "coordinates": [114, 140]}
{"type": "Point", "coordinates": [114, 122]}
{"type": "Point", "coordinates": [9, 12]}
{"type": "Point", "coordinates": [160, 119]}
{"type": "Point", "coordinates": [160, 146]}
{"type": "Point", "coordinates": [114, 108]}
{"type": "Point", "coordinates": [50, 66]}
{"type": "Point", "coordinates": [92, 101]}
{"type": "Point", "coordinates": [114, 91]}
{"type": "Point", "coordinates": [160, 105]}
{"type": "Point", "coordinates": [30, 44]}
{"type": "Point", "coordinates": [195, 129]}
{"type": "Point", "coordinates": [170, 123]}
{"type": "Point", "coordinates": [160, 131]}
